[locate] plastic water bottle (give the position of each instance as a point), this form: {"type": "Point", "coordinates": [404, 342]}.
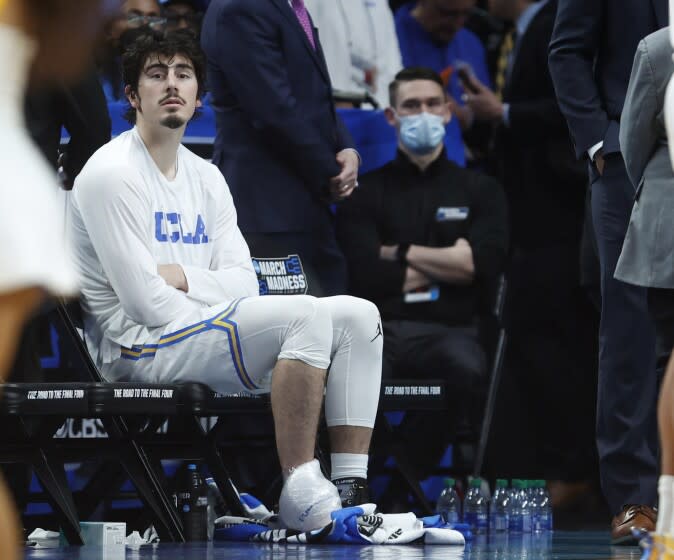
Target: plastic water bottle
{"type": "Point", "coordinates": [476, 508]}
{"type": "Point", "coordinates": [541, 508]}
{"type": "Point", "coordinates": [449, 505]}
{"type": "Point", "coordinates": [192, 502]}
{"type": "Point", "coordinates": [520, 518]}
{"type": "Point", "coordinates": [217, 507]}
{"type": "Point", "coordinates": [515, 521]}
{"type": "Point", "coordinates": [525, 507]}
{"type": "Point", "coordinates": [501, 504]}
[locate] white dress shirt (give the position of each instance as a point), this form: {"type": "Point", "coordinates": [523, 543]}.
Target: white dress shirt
{"type": "Point", "coordinates": [360, 44]}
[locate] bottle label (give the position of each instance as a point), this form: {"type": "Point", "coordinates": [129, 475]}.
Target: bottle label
{"type": "Point", "coordinates": [545, 522]}
{"type": "Point", "coordinates": [478, 521]}
{"type": "Point", "coordinates": [501, 522]}
{"type": "Point", "coordinates": [451, 516]}
{"type": "Point", "coordinates": [516, 523]}
{"type": "Point", "coordinates": [526, 523]}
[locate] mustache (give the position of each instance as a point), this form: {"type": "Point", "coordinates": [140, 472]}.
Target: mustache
{"type": "Point", "coordinates": [177, 97]}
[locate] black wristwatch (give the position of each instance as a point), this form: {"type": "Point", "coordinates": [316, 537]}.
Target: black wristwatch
{"type": "Point", "coordinates": [401, 253]}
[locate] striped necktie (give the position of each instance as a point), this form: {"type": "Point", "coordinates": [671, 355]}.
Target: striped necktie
{"type": "Point", "coordinates": [503, 63]}
{"type": "Point", "coordinates": [303, 17]}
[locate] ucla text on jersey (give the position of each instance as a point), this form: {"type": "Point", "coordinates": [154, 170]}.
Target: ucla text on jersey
{"type": "Point", "coordinates": [168, 227]}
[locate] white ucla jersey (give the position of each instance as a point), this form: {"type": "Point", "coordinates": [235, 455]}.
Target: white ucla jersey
{"type": "Point", "coordinates": [127, 218]}
{"type": "Point", "coordinates": [33, 251]}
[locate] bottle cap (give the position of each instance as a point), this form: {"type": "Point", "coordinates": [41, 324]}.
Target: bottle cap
{"type": "Point", "coordinates": [501, 483]}
{"type": "Point", "coordinates": [449, 482]}
{"type": "Point", "coordinates": [476, 483]}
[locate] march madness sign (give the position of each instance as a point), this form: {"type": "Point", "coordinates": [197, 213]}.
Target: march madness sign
{"type": "Point", "coordinates": [280, 276]}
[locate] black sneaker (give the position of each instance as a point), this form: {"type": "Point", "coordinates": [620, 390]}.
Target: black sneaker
{"type": "Point", "coordinates": [352, 491]}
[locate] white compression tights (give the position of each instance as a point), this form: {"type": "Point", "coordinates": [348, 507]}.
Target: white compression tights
{"type": "Point", "coordinates": [354, 378]}
{"type": "Point", "coordinates": [354, 355]}
{"type": "Point", "coordinates": [244, 340]}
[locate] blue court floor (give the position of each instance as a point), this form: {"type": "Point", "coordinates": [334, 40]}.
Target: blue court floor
{"type": "Point", "coordinates": [578, 545]}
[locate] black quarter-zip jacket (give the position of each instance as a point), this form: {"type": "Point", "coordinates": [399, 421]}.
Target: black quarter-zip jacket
{"type": "Point", "coordinates": [399, 203]}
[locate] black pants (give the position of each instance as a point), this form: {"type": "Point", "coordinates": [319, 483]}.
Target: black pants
{"type": "Point", "coordinates": [661, 308]}
{"type": "Point", "coordinates": [627, 392]}
{"type": "Point", "coordinates": [414, 349]}
{"type": "Point", "coordinates": [322, 259]}
{"type": "Point", "coordinates": [545, 411]}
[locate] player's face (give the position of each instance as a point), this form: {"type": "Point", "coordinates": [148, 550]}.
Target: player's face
{"type": "Point", "coordinates": [167, 92]}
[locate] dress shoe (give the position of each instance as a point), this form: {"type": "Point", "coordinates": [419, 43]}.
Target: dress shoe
{"type": "Point", "coordinates": [632, 517]}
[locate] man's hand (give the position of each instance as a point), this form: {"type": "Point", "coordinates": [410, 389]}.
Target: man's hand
{"type": "Point", "coordinates": [600, 162]}
{"type": "Point", "coordinates": [174, 275]}
{"type": "Point", "coordinates": [414, 279]}
{"type": "Point", "coordinates": [463, 113]}
{"type": "Point", "coordinates": [463, 249]}
{"type": "Point", "coordinates": [388, 252]}
{"type": "Point", "coordinates": [485, 104]}
{"type": "Point", "coordinates": [342, 185]}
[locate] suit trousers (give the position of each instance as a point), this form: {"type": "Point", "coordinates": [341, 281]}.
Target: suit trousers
{"type": "Point", "coordinates": [661, 307]}
{"type": "Point", "coordinates": [627, 391]}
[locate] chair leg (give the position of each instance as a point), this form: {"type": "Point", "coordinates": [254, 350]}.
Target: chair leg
{"type": "Point", "coordinates": [147, 481]}
{"type": "Point", "coordinates": [221, 477]}
{"type": "Point", "coordinates": [489, 406]}
{"type": "Point", "coordinates": [404, 466]}
{"type": "Point", "coordinates": [53, 478]}
{"type": "Point", "coordinates": [409, 475]}
{"type": "Point", "coordinates": [216, 465]}
{"type": "Point", "coordinates": [148, 484]}
{"type": "Point", "coordinates": [105, 481]}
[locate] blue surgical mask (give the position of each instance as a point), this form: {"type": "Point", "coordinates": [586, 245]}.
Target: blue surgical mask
{"type": "Point", "coordinates": [422, 133]}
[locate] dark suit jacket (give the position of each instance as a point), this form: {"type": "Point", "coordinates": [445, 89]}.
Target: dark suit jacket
{"type": "Point", "coordinates": [591, 56]}
{"type": "Point", "coordinates": [277, 131]}
{"type": "Point", "coordinates": [544, 182]}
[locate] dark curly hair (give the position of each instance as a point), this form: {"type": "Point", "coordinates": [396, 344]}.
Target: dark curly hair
{"type": "Point", "coordinates": [180, 42]}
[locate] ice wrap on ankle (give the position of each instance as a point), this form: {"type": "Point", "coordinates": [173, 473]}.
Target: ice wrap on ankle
{"type": "Point", "coordinates": [307, 498]}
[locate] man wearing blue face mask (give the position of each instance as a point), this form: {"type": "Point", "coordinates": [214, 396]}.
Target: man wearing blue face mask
{"type": "Point", "coordinates": [423, 238]}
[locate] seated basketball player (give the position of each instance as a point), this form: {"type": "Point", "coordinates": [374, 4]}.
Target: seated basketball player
{"type": "Point", "coordinates": [169, 292]}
